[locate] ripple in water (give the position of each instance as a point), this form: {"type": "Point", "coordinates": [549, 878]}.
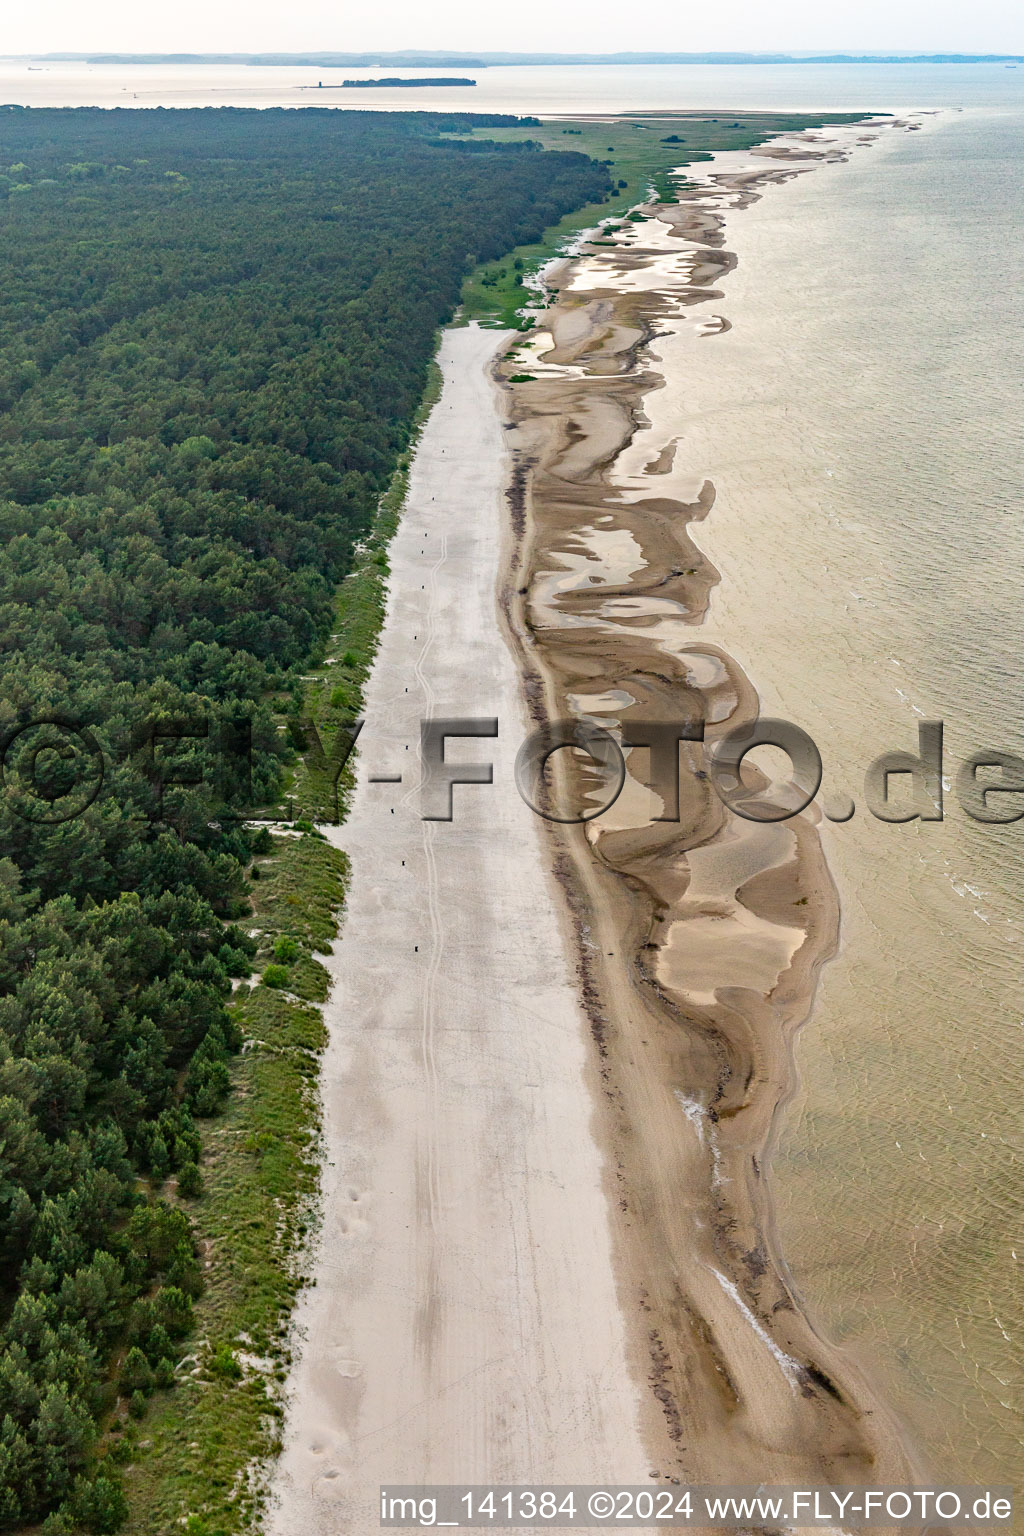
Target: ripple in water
{"type": "Point", "coordinates": [861, 426]}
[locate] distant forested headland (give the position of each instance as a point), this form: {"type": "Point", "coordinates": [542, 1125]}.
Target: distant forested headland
{"type": "Point", "coordinates": [215, 327]}
{"type": "Point", "coordinates": [391, 80]}
{"type": "Point", "coordinates": [412, 58]}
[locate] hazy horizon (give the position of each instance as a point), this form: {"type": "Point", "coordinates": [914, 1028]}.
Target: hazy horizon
{"type": "Point", "coordinates": [505, 55]}
{"type": "Point", "coordinates": [792, 26]}
{"type": "Point", "coordinates": [496, 57]}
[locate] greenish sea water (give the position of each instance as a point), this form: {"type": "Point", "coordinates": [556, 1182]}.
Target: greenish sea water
{"type": "Point", "coordinates": [861, 422]}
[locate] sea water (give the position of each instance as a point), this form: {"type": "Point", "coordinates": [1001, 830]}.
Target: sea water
{"type": "Point", "coordinates": [521, 88]}
{"type": "Point", "coordinates": [861, 422]}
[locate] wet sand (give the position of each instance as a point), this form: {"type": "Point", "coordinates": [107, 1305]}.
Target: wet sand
{"type": "Point", "coordinates": [850, 596]}
{"type": "Point", "coordinates": [700, 940]}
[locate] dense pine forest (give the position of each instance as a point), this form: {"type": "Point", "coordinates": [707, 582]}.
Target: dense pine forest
{"type": "Point", "coordinates": [215, 327]}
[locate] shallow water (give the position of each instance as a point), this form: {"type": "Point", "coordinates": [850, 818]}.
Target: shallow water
{"type": "Point", "coordinates": [523, 88]}
{"type": "Point", "coordinates": [861, 424]}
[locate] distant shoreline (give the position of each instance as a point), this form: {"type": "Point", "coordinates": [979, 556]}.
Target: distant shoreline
{"type": "Point", "coordinates": [415, 60]}
{"type": "Point", "coordinates": [387, 83]}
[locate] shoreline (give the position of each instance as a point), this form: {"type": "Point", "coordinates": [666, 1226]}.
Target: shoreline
{"type": "Point", "coordinates": [741, 1384]}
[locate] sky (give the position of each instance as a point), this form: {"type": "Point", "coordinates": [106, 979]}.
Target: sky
{"type": "Point", "coordinates": [591, 26]}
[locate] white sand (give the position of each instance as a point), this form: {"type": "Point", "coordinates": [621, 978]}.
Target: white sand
{"type": "Point", "coordinates": [464, 1325]}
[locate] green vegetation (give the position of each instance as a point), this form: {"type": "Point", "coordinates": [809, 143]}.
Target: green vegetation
{"type": "Point", "coordinates": [334, 692]}
{"type": "Point", "coordinates": [639, 152]}
{"type": "Point", "coordinates": [397, 80]}
{"type": "Point", "coordinates": [215, 331]}
{"type": "Point", "coordinates": [260, 1175]}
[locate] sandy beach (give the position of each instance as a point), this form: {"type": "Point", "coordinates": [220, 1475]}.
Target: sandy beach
{"type": "Point", "coordinates": [464, 1324]}
{"type": "Point", "coordinates": [560, 1053]}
